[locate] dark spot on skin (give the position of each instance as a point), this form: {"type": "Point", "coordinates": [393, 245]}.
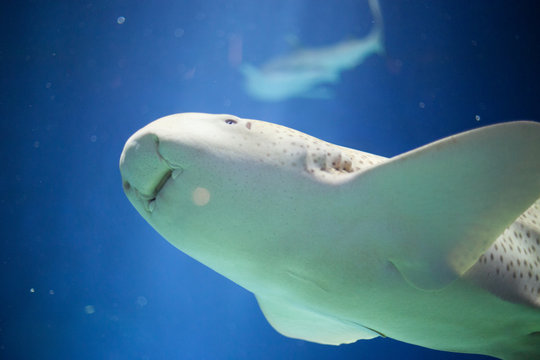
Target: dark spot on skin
{"type": "Point", "coordinates": [248, 125]}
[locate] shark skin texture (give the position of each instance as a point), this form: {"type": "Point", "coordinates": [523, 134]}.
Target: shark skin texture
{"type": "Point", "coordinates": [438, 246]}
{"type": "Point", "coordinates": [306, 72]}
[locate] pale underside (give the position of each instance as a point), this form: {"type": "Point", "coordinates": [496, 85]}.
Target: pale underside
{"type": "Point", "coordinates": [438, 247]}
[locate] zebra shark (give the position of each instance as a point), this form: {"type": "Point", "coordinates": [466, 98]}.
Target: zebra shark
{"type": "Point", "coordinates": [304, 73]}
{"type": "Point", "coordinates": [438, 247]}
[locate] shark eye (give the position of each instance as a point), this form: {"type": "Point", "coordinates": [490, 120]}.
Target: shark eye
{"type": "Point", "coordinates": [230, 121]}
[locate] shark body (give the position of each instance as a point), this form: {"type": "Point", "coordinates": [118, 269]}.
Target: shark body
{"type": "Point", "coordinates": [438, 247]}
{"type": "Point", "coordinates": [303, 73]}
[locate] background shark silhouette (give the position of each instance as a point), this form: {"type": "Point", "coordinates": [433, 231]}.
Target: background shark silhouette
{"type": "Point", "coordinates": [303, 73]}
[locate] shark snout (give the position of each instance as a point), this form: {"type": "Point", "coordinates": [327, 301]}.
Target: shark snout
{"type": "Point", "coordinates": [144, 171]}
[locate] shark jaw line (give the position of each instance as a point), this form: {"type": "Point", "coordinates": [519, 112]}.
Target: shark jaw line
{"type": "Point", "coordinates": [173, 172]}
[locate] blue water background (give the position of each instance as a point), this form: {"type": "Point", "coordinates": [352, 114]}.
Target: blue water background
{"type": "Point", "coordinates": [82, 276]}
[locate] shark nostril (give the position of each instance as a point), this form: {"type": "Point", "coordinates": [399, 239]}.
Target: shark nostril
{"type": "Point", "coordinates": [126, 185]}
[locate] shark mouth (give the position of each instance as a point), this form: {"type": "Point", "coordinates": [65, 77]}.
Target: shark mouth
{"type": "Point", "coordinates": [157, 189]}
{"type": "Point", "coordinates": [154, 183]}
{"type": "Point", "coordinates": [145, 171]}
{"type": "Point", "coordinates": [173, 171]}
{"type": "Point", "coordinates": [149, 201]}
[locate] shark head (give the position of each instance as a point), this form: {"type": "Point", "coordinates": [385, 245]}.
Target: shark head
{"type": "Point", "coordinates": [192, 171]}
{"type": "Point", "coordinates": [177, 144]}
{"type": "Point", "coordinates": [183, 145]}
{"type": "Point", "coordinates": [190, 143]}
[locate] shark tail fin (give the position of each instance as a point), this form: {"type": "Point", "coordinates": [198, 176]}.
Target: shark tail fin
{"type": "Point", "coordinates": [377, 31]}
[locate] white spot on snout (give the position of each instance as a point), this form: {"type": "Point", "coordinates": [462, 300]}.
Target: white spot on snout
{"type": "Point", "coordinates": [201, 196]}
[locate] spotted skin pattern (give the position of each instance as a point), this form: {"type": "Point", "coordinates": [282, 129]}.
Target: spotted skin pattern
{"type": "Point", "coordinates": [510, 268]}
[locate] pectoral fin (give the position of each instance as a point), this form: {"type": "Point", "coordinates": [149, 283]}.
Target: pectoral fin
{"type": "Point", "coordinates": [445, 203]}
{"type": "Point", "coordinates": [302, 323]}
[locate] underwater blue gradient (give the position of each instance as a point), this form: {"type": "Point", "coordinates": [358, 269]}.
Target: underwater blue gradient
{"type": "Point", "coordinates": [76, 84]}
